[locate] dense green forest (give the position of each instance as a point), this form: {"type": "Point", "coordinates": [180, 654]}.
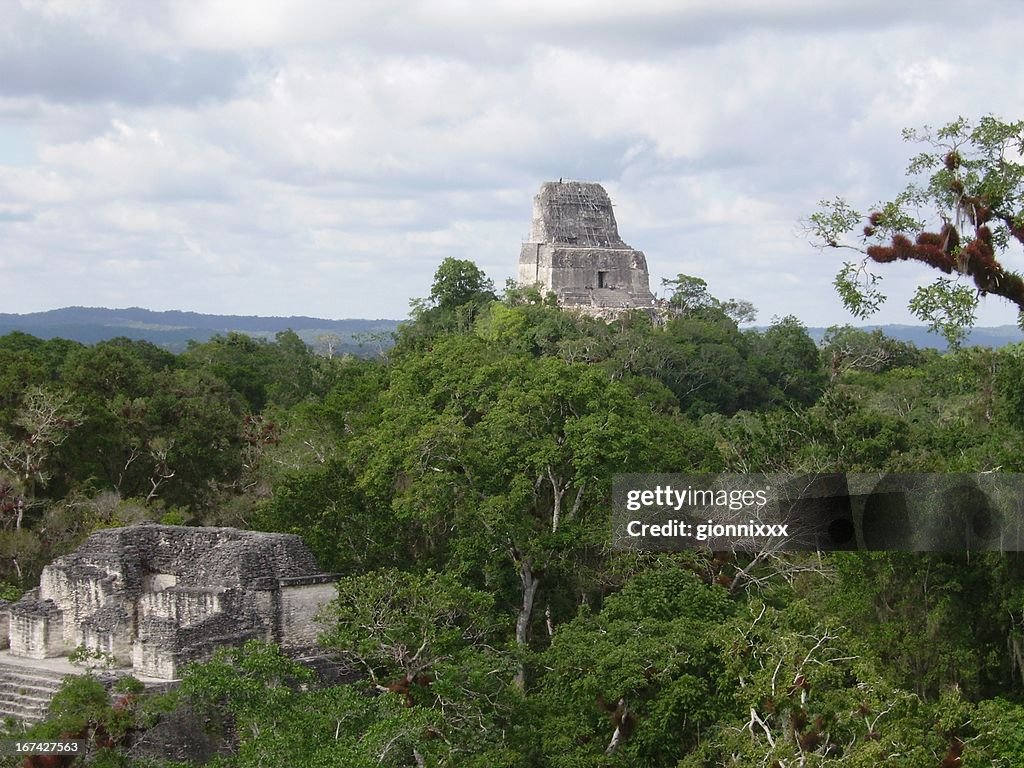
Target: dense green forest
{"type": "Point", "coordinates": [461, 485]}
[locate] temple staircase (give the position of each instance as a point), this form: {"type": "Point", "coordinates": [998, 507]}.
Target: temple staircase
{"type": "Point", "coordinates": [25, 691]}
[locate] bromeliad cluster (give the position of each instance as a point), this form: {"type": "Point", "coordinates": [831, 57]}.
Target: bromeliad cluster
{"type": "Point", "coordinates": [942, 250]}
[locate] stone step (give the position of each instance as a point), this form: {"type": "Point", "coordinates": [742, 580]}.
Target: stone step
{"type": "Point", "coordinates": [26, 718]}
{"type": "Point", "coordinates": [24, 689]}
{"type": "Point", "coordinates": [606, 297]}
{"type": "Point", "coordinates": [25, 692]}
{"type": "Point", "coordinates": [31, 701]}
{"type": "Point", "coordinates": [9, 686]}
{"type": "Point", "coordinates": [27, 711]}
{"type": "Point", "coordinates": [36, 672]}
{"type": "Point", "coordinates": [567, 299]}
{"type": "Point", "coordinates": [27, 675]}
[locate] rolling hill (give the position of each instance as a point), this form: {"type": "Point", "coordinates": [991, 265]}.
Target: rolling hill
{"type": "Point", "coordinates": [173, 330]}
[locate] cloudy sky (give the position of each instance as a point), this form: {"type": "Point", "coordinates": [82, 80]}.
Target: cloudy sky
{"type": "Point", "coordinates": [321, 157]}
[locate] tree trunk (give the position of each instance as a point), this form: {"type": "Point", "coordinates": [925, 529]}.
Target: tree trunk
{"type": "Point", "coordinates": [620, 718]}
{"type": "Point", "coordinates": [557, 492]}
{"type": "Point", "coordinates": [530, 582]}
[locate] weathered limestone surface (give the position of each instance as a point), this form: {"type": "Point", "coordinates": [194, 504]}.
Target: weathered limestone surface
{"type": "Point", "coordinates": [25, 692]}
{"type": "Point", "coordinates": [36, 628]}
{"type": "Point", "coordinates": [575, 252]}
{"type": "Point", "coordinates": [156, 597]}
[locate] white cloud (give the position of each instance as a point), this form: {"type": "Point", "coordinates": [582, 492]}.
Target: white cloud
{"type": "Point", "coordinates": [321, 158]}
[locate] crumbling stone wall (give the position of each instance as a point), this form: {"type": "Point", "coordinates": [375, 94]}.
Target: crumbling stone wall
{"type": "Point", "coordinates": [300, 600]}
{"type": "Point", "coordinates": [36, 628]}
{"type": "Point", "coordinates": [575, 252]}
{"type": "Point", "coordinates": [157, 597]}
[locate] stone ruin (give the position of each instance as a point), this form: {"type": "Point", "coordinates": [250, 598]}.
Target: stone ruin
{"type": "Point", "coordinates": [575, 252]}
{"type": "Point", "coordinates": [156, 597]}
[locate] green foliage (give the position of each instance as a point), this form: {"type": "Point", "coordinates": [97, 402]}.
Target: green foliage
{"type": "Point", "coordinates": [927, 618]}
{"type": "Point", "coordinates": [349, 405]}
{"type": "Point", "coordinates": [326, 508]}
{"type": "Point", "coordinates": [999, 740]}
{"type": "Point", "coordinates": [341, 726]}
{"type": "Point", "coordinates": [706, 362]}
{"type": "Point", "coordinates": [176, 516]}
{"type": "Point", "coordinates": [635, 684]}
{"type": "Point", "coordinates": [460, 292]}
{"type": "Point", "coordinates": [858, 289]}
{"type": "Point", "coordinates": [527, 295]}
{"type": "Point", "coordinates": [10, 592]}
{"type": "Point", "coordinates": [81, 699]}
{"type": "Point", "coordinates": [502, 324]}
{"type": "Point", "coordinates": [129, 684]}
{"type": "Point", "coordinates": [833, 220]}
{"type": "Point", "coordinates": [82, 709]}
{"type": "Point", "coordinates": [264, 695]}
{"type": "Point", "coordinates": [338, 726]}
{"type": "Point", "coordinates": [1008, 380]}
{"type": "Point", "coordinates": [459, 714]}
{"type": "Point", "coordinates": [789, 360]}
{"type": "Point", "coordinates": [42, 423]}
{"type": "Point", "coordinates": [27, 362]}
{"type": "Point", "coordinates": [688, 294]}
{"type": "Point", "coordinates": [841, 432]}
{"type": "Point", "coordinates": [280, 373]}
{"type": "Point", "coordinates": [458, 282]}
{"type": "Point", "coordinates": [90, 657]}
{"type": "Point", "coordinates": [195, 420]}
{"type": "Point", "coordinates": [249, 682]}
{"type": "Point", "coordinates": [805, 693]}
{"type": "Point", "coordinates": [948, 308]}
{"type": "Point", "coordinates": [401, 627]}
{"type": "Point", "coordinates": [845, 349]}
{"type": "Point", "coordinates": [21, 555]}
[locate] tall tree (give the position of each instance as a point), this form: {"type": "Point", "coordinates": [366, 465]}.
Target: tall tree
{"type": "Point", "coordinates": [788, 358]}
{"type": "Point", "coordinates": [637, 682]}
{"type": "Point", "coordinates": [43, 422]}
{"type": "Point", "coordinates": [459, 293]}
{"type": "Point", "coordinates": [501, 463]}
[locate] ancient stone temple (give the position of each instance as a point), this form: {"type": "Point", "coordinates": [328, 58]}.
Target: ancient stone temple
{"type": "Point", "coordinates": [574, 251]}
{"type": "Point", "coordinates": [156, 597]}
